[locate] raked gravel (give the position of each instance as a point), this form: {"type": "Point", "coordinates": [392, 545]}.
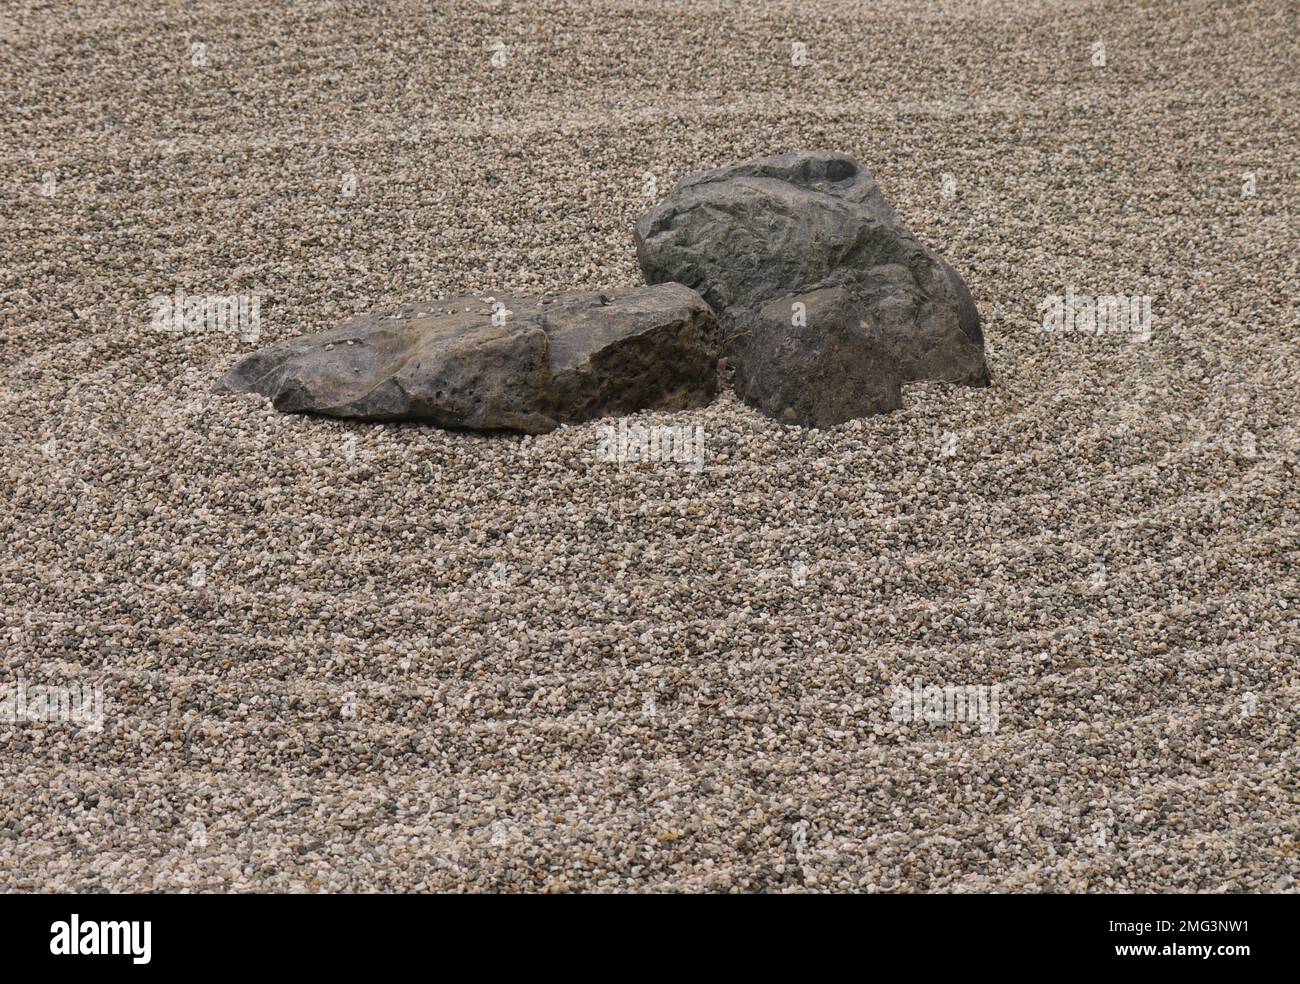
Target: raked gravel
{"type": "Point", "coordinates": [348, 657]}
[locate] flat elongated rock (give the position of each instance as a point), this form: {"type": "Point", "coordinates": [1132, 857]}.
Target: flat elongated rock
{"type": "Point", "coordinates": [522, 363]}
{"type": "Point", "coordinates": [828, 303]}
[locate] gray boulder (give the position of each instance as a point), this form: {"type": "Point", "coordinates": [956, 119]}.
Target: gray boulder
{"type": "Point", "coordinates": [828, 303]}
{"type": "Point", "coordinates": [521, 363]}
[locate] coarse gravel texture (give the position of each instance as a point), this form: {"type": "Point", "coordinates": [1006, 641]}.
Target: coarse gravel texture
{"type": "Point", "coordinates": [352, 657]}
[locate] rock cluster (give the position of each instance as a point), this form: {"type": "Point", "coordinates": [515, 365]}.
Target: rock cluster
{"type": "Point", "coordinates": [827, 306]}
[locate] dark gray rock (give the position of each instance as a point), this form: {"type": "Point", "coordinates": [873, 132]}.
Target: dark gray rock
{"type": "Point", "coordinates": [828, 303]}
{"type": "Point", "coordinates": [527, 366]}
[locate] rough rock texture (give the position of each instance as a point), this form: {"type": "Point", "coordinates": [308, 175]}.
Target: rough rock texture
{"type": "Point", "coordinates": [527, 366]}
{"type": "Point", "coordinates": [828, 302]}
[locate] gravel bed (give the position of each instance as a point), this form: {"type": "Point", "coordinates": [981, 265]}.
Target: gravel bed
{"type": "Point", "coordinates": [346, 657]}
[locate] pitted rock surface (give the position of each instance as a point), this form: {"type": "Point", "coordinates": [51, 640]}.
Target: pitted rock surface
{"type": "Point", "coordinates": [828, 303]}
{"type": "Point", "coordinates": [518, 363]}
